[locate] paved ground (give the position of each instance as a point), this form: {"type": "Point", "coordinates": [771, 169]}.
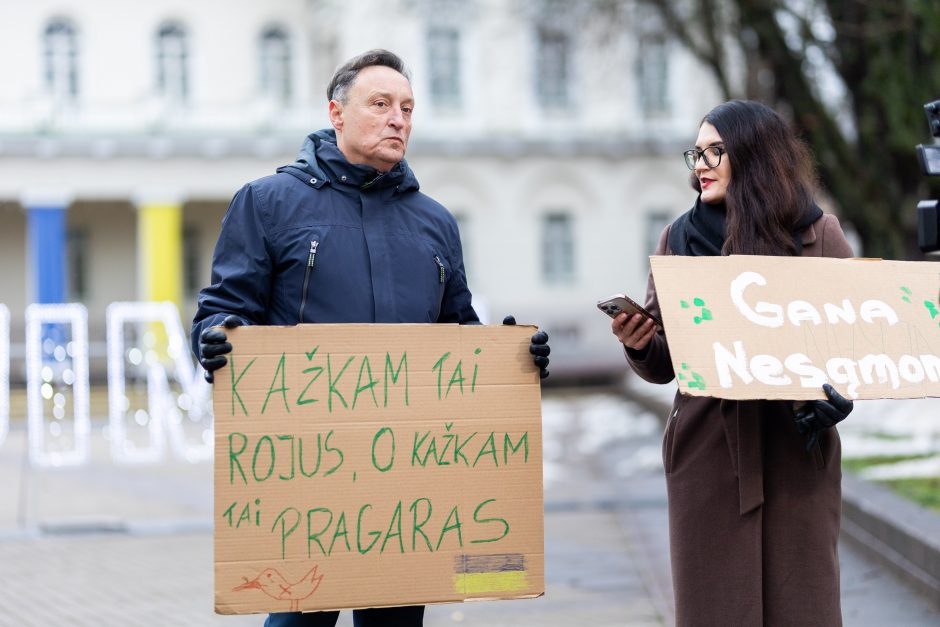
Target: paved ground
{"type": "Point", "coordinates": [114, 546]}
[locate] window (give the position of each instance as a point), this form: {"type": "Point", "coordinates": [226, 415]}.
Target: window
{"type": "Point", "coordinates": [275, 64]}
{"type": "Point", "coordinates": [77, 268]}
{"type": "Point", "coordinates": [193, 281]}
{"type": "Point", "coordinates": [61, 60]}
{"type": "Point", "coordinates": [557, 248]}
{"type": "Point", "coordinates": [552, 68]}
{"type": "Point", "coordinates": [172, 63]}
{"type": "Point", "coordinates": [653, 75]}
{"type": "Point", "coordinates": [656, 221]}
{"type": "Point", "coordinates": [444, 66]}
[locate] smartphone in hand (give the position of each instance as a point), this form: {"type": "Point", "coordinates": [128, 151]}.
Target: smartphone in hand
{"type": "Point", "coordinates": [619, 303]}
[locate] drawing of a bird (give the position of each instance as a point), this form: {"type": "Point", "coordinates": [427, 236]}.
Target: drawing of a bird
{"type": "Point", "coordinates": [275, 585]}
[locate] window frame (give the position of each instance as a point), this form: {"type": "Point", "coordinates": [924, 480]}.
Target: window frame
{"type": "Point", "coordinates": [175, 89]}
{"type": "Point", "coordinates": [61, 59]}
{"type": "Point", "coordinates": [445, 84]}
{"type": "Point", "coordinates": [558, 242]}
{"type": "Point", "coordinates": [275, 64]}
{"type": "Point", "coordinates": [553, 67]}
{"type": "Point", "coordinates": [653, 49]}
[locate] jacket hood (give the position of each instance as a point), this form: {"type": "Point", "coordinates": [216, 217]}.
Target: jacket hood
{"type": "Point", "coordinates": [320, 162]}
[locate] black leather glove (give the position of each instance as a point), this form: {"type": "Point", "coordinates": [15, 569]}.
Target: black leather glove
{"type": "Point", "coordinates": [539, 348]}
{"type": "Point", "coordinates": [214, 346]}
{"type": "Point", "coordinates": [814, 417]}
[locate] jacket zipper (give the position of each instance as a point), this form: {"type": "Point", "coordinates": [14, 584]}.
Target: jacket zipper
{"type": "Point", "coordinates": [440, 268]}
{"type": "Point", "coordinates": [310, 258]}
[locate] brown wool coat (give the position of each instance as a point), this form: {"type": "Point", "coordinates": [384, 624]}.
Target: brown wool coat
{"type": "Point", "coordinates": [753, 518]}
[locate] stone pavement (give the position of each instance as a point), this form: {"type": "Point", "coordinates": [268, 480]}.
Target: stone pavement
{"type": "Point", "coordinates": [106, 545]}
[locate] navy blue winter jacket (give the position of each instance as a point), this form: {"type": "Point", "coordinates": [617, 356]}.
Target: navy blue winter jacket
{"type": "Point", "coordinates": [323, 240]}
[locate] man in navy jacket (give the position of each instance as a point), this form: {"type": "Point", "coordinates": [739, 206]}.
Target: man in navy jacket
{"type": "Point", "coordinates": [343, 234]}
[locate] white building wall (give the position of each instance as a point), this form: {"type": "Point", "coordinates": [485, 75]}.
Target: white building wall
{"type": "Point", "coordinates": [500, 160]}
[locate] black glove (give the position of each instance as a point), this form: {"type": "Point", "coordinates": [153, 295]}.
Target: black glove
{"type": "Point", "coordinates": [213, 346]}
{"type": "Point", "coordinates": [539, 348]}
{"type": "Point", "coordinates": [816, 416]}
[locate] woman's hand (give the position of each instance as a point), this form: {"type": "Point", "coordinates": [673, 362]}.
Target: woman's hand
{"type": "Point", "coordinates": [814, 417]}
{"type": "Point", "coordinates": [633, 330]}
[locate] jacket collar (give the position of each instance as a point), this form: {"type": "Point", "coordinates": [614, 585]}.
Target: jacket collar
{"type": "Point", "coordinates": [320, 162]}
{"type": "Point", "coordinates": [808, 236]}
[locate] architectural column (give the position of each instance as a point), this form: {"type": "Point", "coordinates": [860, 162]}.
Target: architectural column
{"type": "Point", "coordinates": [46, 254]}
{"type": "Point", "coordinates": [46, 245]}
{"type": "Point", "coordinates": [159, 259]}
{"type": "Point", "coordinates": [160, 249]}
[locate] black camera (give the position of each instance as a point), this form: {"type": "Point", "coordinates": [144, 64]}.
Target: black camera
{"type": "Point", "coordinates": [928, 219]}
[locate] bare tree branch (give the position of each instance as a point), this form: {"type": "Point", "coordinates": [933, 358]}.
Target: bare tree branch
{"type": "Point", "coordinates": [706, 46]}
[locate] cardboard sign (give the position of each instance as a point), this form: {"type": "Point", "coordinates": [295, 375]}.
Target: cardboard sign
{"type": "Point", "coordinates": [367, 465]}
{"type": "Point", "coordinates": [752, 327]}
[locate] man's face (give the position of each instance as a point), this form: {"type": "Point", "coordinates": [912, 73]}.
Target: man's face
{"type": "Point", "coordinates": [373, 126]}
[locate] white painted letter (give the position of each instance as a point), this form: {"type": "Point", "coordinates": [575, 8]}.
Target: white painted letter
{"type": "Point", "coordinates": [801, 365]}
{"type": "Point", "coordinates": [911, 369]}
{"type": "Point", "coordinates": [846, 313]}
{"type": "Point", "coordinates": [767, 369]}
{"type": "Point", "coordinates": [871, 309]}
{"type": "Point", "coordinates": [724, 361]}
{"type": "Point", "coordinates": [883, 366]}
{"type": "Point", "coordinates": [800, 310]}
{"type": "Point", "coordinates": [842, 370]}
{"type": "Point", "coordinates": [931, 367]}
{"type": "Point", "coordinates": [738, 285]}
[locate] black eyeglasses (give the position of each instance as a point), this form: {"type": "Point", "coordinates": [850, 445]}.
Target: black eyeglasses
{"type": "Point", "coordinates": [711, 155]}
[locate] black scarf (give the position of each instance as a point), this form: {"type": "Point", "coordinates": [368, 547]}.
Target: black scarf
{"type": "Point", "coordinates": [700, 231]}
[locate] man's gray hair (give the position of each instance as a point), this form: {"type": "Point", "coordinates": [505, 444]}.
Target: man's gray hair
{"type": "Point", "coordinates": [346, 75]}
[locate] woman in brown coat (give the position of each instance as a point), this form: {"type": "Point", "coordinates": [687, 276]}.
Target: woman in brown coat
{"type": "Point", "coordinates": [754, 487]}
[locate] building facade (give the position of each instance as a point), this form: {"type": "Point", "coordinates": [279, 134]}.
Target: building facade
{"type": "Point", "coordinates": [553, 134]}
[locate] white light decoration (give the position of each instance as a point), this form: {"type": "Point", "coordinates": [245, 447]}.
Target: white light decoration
{"type": "Point", "coordinates": [42, 375]}
{"type": "Point", "coordinates": [4, 372]}
{"type": "Point", "coordinates": [165, 411]}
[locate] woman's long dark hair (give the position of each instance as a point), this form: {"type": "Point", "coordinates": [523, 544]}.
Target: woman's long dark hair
{"type": "Point", "coordinates": [772, 178]}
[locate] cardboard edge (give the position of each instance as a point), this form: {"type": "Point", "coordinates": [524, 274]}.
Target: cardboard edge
{"type": "Point", "coordinates": [227, 610]}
